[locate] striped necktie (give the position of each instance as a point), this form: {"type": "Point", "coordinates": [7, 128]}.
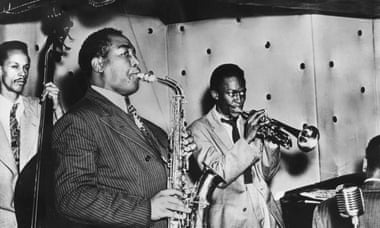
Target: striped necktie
{"type": "Point", "coordinates": [148, 137]}
{"type": "Point", "coordinates": [235, 137]}
{"type": "Point", "coordinates": [15, 135]}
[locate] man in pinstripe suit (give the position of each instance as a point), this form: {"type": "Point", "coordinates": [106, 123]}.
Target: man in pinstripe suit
{"type": "Point", "coordinates": [108, 174]}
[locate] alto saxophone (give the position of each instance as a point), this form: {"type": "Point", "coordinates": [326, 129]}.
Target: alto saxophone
{"type": "Point", "coordinates": [197, 194]}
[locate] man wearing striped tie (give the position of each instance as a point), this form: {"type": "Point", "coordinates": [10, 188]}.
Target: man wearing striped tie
{"type": "Point", "coordinates": [19, 123]}
{"type": "Point", "coordinates": [111, 162]}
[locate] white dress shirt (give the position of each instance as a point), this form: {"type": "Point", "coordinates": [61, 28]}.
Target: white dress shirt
{"type": "Point", "coordinates": [114, 97]}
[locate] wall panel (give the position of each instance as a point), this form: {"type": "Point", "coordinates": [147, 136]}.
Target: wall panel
{"type": "Point", "coordinates": [277, 56]}
{"type": "Point", "coordinates": [346, 91]}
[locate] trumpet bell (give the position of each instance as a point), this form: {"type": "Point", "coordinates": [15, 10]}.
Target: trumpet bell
{"type": "Point", "coordinates": [308, 138]}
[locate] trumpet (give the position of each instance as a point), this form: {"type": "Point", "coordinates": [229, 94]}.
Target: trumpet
{"type": "Point", "coordinates": [278, 132]}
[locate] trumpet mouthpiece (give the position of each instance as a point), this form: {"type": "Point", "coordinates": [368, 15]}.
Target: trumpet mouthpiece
{"type": "Point", "coordinates": [148, 77]}
{"type": "Point", "coordinates": [241, 112]}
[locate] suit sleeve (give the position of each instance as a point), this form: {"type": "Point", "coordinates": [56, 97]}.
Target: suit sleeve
{"type": "Point", "coordinates": [270, 160]}
{"type": "Point", "coordinates": [78, 197]}
{"type": "Point", "coordinates": [229, 164]}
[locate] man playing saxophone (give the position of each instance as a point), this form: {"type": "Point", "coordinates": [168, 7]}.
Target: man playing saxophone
{"type": "Point", "coordinates": [111, 169]}
{"type": "Point", "coordinates": [229, 144]}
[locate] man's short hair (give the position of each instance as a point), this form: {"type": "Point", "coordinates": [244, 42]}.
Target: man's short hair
{"type": "Point", "coordinates": [225, 71]}
{"type": "Point", "coordinates": [372, 153]}
{"type": "Point", "coordinates": [97, 44]}
{"type": "Point", "coordinates": [11, 45]}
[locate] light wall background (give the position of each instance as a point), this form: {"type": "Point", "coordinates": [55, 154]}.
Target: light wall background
{"type": "Point", "coordinates": [321, 70]}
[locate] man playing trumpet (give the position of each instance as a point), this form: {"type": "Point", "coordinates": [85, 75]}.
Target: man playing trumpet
{"type": "Point", "coordinates": [231, 146]}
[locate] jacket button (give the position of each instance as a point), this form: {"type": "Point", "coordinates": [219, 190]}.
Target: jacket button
{"type": "Point", "coordinates": [244, 209]}
{"type": "Point", "coordinates": [147, 158]}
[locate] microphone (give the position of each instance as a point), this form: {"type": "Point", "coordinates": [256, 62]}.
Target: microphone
{"type": "Point", "coordinates": [350, 203]}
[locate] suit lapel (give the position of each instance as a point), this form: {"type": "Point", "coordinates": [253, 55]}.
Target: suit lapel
{"type": "Point", "coordinates": [29, 132]}
{"type": "Point", "coordinates": [6, 155]}
{"type": "Point", "coordinates": [219, 131]}
{"type": "Point", "coordinates": [121, 122]}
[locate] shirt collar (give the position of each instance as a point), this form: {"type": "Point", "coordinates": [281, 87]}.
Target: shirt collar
{"type": "Point", "coordinates": [220, 116]}
{"type": "Point", "coordinates": [114, 97]}
{"type": "Point", "coordinates": [8, 103]}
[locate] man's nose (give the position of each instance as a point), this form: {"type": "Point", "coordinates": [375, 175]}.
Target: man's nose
{"type": "Point", "coordinates": [134, 61]}
{"type": "Point", "coordinates": [23, 72]}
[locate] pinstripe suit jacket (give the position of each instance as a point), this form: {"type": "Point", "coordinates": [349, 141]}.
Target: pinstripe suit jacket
{"type": "Point", "coordinates": [326, 214]}
{"type": "Point", "coordinates": [106, 171]}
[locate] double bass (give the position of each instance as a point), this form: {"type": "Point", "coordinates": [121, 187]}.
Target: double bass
{"type": "Point", "coordinates": [34, 191]}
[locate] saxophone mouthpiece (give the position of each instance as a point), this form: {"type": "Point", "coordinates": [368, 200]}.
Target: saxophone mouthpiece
{"type": "Point", "coordinates": [148, 77]}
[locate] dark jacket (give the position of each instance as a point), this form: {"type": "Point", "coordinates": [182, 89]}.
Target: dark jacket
{"type": "Point", "coordinates": [326, 214]}
{"type": "Point", "coordinates": [106, 171]}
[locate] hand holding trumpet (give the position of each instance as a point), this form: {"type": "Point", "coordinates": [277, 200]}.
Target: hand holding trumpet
{"type": "Point", "coordinates": [273, 130]}
{"type": "Point", "coordinates": [255, 120]}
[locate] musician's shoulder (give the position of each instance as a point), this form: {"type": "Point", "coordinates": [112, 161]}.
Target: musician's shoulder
{"type": "Point", "coordinates": [31, 100]}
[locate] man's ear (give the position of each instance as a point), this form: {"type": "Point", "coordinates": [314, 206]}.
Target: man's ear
{"type": "Point", "coordinates": [214, 94]}
{"type": "Point", "coordinates": [97, 64]}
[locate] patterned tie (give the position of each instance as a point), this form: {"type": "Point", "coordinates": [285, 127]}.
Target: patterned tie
{"type": "Point", "coordinates": [148, 137]}
{"type": "Point", "coordinates": [235, 137]}
{"type": "Point", "coordinates": [15, 135]}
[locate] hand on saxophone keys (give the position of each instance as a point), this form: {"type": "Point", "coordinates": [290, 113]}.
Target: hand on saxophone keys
{"type": "Point", "coordinates": [188, 142]}
{"type": "Point", "coordinates": [168, 203]}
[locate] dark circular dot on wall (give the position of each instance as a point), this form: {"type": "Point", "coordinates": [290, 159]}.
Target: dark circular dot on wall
{"type": "Point", "coordinates": [268, 96]}
{"type": "Point", "coordinates": [331, 64]}
{"type": "Point", "coordinates": [150, 30]}
{"type": "Point", "coordinates": [208, 51]}
{"type": "Point", "coordinates": [360, 32]}
{"type": "Point", "coordinates": [182, 28]}
{"type": "Point", "coordinates": [36, 47]}
{"type": "Point", "coordinates": [302, 66]}
{"type": "Point", "coordinates": [362, 89]}
{"type": "Point", "coordinates": [267, 44]}
{"type": "Point", "coordinates": [335, 119]}
{"type": "Point", "coordinates": [183, 72]}
{"type": "Point", "coordinates": [238, 19]}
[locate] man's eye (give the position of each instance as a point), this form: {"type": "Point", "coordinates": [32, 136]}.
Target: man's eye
{"type": "Point", "coordinates": [126, 54]}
